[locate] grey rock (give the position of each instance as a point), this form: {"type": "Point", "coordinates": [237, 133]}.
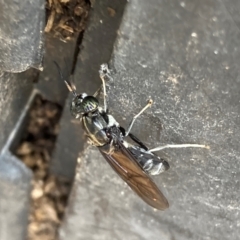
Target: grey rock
{"type": "Point", "coordinates": [185, 56]}
{"type": "Point", "coordinates": [21, 35]}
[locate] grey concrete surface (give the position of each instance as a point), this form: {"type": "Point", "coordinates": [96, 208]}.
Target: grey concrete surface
{"type": "Point", "coordinates": [185, 55]}
{"type": "Point", "coordinates": [21, 34]}
{"type": "Point", "coordinates": [14, 176]}
{"type": "Point", "coordinates": [49, 83]}
{"type": "Point", "coordinates": [15, 188]}
{"type": "Point", "coordinates": [16, 97]}
{"type": "Point", "coordinates": [96, 48]}
{"type": "Point", "coordinates": [15, 90]}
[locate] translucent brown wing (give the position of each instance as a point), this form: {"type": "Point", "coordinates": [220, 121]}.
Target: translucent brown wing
{"type": "Point", "coordinates": [128, 169]}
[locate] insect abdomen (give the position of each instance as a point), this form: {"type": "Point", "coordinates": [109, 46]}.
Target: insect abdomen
{"type": "Point", "coordinates": [150, 163]}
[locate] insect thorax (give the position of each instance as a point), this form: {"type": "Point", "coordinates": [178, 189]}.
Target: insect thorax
{"type": "Point", "coordinates": [96, 125]}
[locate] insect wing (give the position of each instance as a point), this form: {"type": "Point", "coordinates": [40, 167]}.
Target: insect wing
{"type": "Point", "coordinates": [124, 164]}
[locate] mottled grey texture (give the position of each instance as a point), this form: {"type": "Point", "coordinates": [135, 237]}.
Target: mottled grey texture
{"type": "Point", "coordinates": [21, 34]}
{"type": "Point", "coordinates": [16, 97]}
{"type": "Point", "coordinates": [185, 55]}
{"type": "Point", "coordinates": [96, 48]}
{"type": "Point", "coordinates": [102, 207]}
{"type": "Point", "coordinates": [50, 84]}
{"type": "Point", "coordinates": [14, 198]}
{"type": "Point", "coordinates": [15, 178]}
{"type": "Point", "coordinates": [15, 89]}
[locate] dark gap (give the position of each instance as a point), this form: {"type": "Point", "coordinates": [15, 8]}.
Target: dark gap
{"type": "Point", "coordinates": [76, 52]}
{"type": "Point", "coordinates": [66, 19]}
{"type": "Point", "coordinates": [49, 193]}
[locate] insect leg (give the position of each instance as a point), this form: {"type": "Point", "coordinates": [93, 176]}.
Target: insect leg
{"type": "Point", "coordinates": [178, 146]}
{"type": "Point", "coordinates": [103, 73]}
{"type": "Point", "coordinates": [150, 101]}
{"type": "Point", "coordinates": [97, 92]}
{"type": "Point", "coordinates": [136, 140]}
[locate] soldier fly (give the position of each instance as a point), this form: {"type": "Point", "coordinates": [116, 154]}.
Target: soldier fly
{"type": "Point", "coordinates": [133, 163]}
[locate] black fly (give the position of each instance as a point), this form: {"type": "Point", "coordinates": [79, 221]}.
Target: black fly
{"type": "Point", "coordinates": [133, 163]}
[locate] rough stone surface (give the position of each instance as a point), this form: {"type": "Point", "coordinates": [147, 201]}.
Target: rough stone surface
{"type": "Point", "coordinates": [16, 97]}
{"type": "Point", "coordinates": [21, 34]}
{"type": "Point", "coordinates": [96, 48]}
{"type": "Point", "coordinates": [14, 197]}
{"type": "Point", "coordinates": [14, 176]}
{"type": "Point", "coordinates": [15, 90]}
{"type": "Point", "coordinates": [185, 55]}
{"type": "Point", "coordinates": [49, 82]}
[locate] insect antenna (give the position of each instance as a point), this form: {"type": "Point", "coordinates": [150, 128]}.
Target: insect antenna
{"type": "Point", "coordinates": [71, 87]}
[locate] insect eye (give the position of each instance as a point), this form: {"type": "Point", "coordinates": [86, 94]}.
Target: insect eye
{"type": "Point", "coordinates": [75, 106]}
{"type": "Point", "coordinates": [83, 104]}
